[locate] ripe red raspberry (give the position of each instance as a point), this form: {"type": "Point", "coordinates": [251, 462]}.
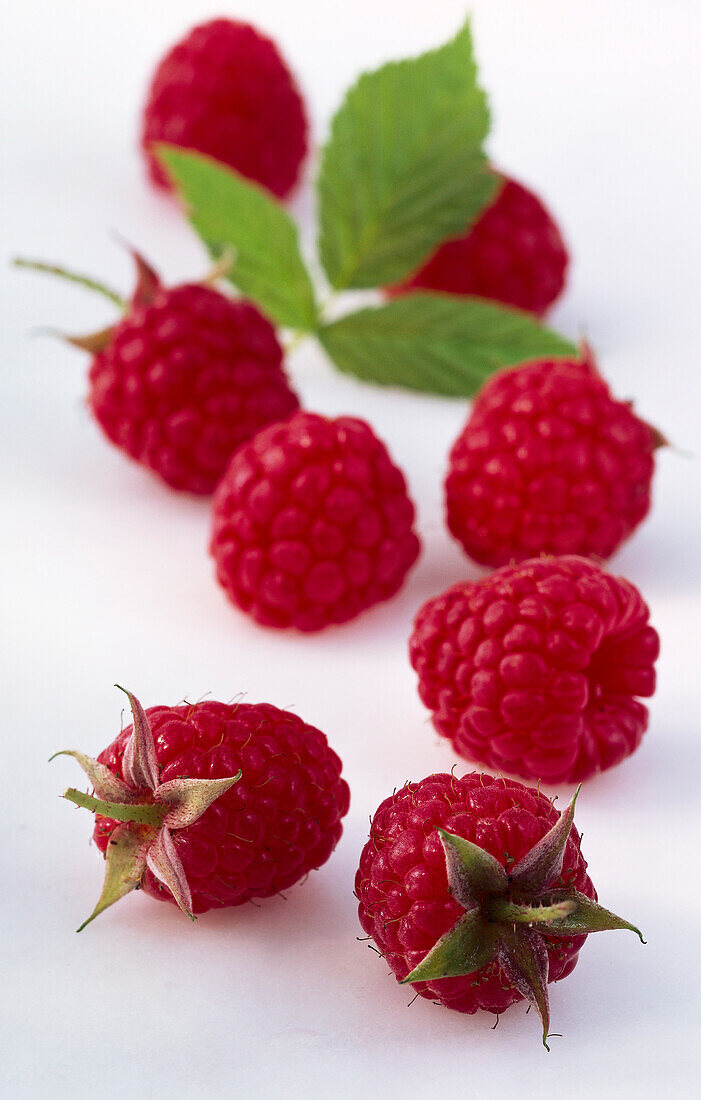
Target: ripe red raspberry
{"type": "Point", "coordinates": [269, 826]}
{"type": "Point", "coordinates": [474, 890]}
{"type": "Point", "coordinates": [513, 253]}
{"type": "Point", "coordinates": [312, 523]}
{"type": "Point", "coordinates": [224, 90]}
{"type": "Point", "coordinates": [184, 378]}
{"type": "Point", "coordinates": [534, 670]}
{"type": "Point", "coordinates": [548, 461]}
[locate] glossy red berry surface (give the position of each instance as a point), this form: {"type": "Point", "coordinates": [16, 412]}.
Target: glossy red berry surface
{"type": "Point", "coordinates": [312, 523]}
{"type": "Point", "coordinates": [537, 669]}
{"type": "Point", "coordinates": [224, 90]}
{"type": "Point", "coordinates": [185, 378]}
{"type": "Point", "coordinates": [279, 821]}
{"type": "Point", "coordinates": [402, 886]}
{"type": "Point", "coordinates": [548, 461]}
{"type": "Point", "coordinates": [513, 253]}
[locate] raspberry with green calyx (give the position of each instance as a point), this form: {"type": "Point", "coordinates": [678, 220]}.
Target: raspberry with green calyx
{"type": "Point", "coordinates": [476, 892]}
{"type": "Point", "coordinates": [148, 812]}
{"type": "Point", "coordinates": [212, 804]}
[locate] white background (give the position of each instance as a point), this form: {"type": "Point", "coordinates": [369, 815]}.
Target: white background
{"type": "Point", "coordinates": [105, 578]}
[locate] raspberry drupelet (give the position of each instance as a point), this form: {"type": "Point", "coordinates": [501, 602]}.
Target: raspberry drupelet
{"type": "Point", "coordinates": [513, 253]}
{"type": "Point", "coordinates": [476, 892]}
{"type": "Point", "coordinates": [312, 524]}
{"type": "Point", "coordinates": [537, 669]}
{"type": "Point", "coordinates": [213, 803]}
{"type": "Point", "coordinates": [224, 90]}
{"type": "Point", "coordinates": [549, 461]}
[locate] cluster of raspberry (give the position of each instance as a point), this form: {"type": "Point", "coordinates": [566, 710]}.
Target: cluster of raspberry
{"type": "Point", "coordinates": [474, 889]}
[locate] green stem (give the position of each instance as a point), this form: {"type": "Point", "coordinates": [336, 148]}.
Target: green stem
{"type": "Point", "coordinates": [73, 277]}
{"type": "Point", "coordinates": [508, 912]}
{"type": "Point", "coordinates": [144, 813]}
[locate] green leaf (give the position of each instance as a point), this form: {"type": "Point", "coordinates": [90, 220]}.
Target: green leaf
{"type": "Point", "coordinates": [231, 213]}
{"type": "Point", "coordinates": [403, 168]}
{"type": "Point", "coordinates": [438, 343]}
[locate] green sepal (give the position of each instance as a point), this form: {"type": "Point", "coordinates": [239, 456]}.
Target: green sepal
{"type": "Point", "coordinates": [586, 916]}
{"type": "Point", "coordinates": [472, 872]}
{"type": "Point", "coordinates": [185, 800]}
{"type": "Point", "coordinates": [523, 957]}
{"type": "Point", "coordinates": [468, 946]}
{"type": "Point", "coordinates": [125, 862]}
{"type": "Point", "coordinates": [139, 763]}
{"type": "Point", "coordinates": [105, 783]}
{"type": "Point", "coordinates": [542, 865]}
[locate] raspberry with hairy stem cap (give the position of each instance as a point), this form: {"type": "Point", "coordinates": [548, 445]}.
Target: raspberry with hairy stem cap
{"type": "Point", "coordinates": [475, 891]}
{"type": "Point", "coordinates": [184, 378]}
{"type": "Point", "coordinates": [224, 90]}
{"type": "Point", "coordinates": [549, 461]}
{"type": "Point", "coordinates": [311, 523]}
{"type": "Point", "coordinates": [212, 804]}
{"type": "Point", "coordinates": [534, 670]}
{"type": "Point", "coordinates": [513, 253]}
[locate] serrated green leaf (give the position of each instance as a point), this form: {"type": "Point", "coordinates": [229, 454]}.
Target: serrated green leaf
{"type": "Point", "coordinates": [438, 343]}
{"type": "Point", "coordinates": [403, 168]}
{"type": "Point", "coordinates": [232, 214]}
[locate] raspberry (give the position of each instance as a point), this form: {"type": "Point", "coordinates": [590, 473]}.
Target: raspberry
{"type": "Point", "coordinates": [513, 253]}
{"type": "Point", "coordinates": [224, 90]}
{"type": "Point", "coordinates": [312, 523]}
{"type": "Point", "coordinates": [463, 881]}
{"type": "Point", "coordinates": [534, 670]}
{"type": "Point", "coordinates": [548, 461]}
{"type": "Point", "coordinates": [271, 825]}
{"type": "Point", "coordinates": [184, 379]}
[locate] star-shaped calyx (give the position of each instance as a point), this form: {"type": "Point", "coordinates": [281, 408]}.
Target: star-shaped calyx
{"type": "Point", "coordinates": [149, 813]}
{"type": "Point", "coordinates": [508, 914]}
